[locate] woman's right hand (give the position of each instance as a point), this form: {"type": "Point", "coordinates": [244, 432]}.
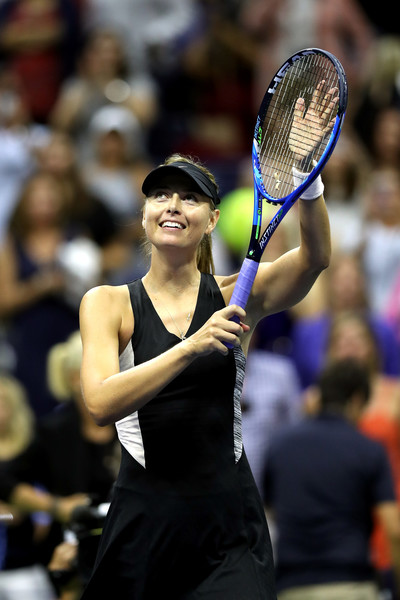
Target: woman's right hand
{"type": "Point", "coordinates": [219, 330]}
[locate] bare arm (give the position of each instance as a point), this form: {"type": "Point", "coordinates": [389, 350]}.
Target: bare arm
{"type": "Point", "coordinates": [29, 499]}
{"type": "Point", "coordinates": [283, 283]}
{"type": "Point", "coordinates": [106, 326]}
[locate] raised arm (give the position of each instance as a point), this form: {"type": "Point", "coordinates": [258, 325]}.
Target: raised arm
{"type": "Point", "coordinates": [283, 283]}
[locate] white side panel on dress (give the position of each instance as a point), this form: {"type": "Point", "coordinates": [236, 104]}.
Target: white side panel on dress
{"type": "Point", "coordinates": [128, 428]}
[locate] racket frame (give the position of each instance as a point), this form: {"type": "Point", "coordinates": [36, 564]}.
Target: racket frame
{"type": "Point", "coordinates": [258, 240]}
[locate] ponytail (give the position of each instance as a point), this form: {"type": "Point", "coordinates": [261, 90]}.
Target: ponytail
{"type": "Point", "coordinates": [205, 261]}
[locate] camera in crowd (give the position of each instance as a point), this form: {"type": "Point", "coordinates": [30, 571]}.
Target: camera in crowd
{"type": "Point", "coordinates": [83, 533]}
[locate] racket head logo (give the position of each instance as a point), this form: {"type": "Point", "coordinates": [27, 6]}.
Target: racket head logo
{"type": "Point", "coordinates": [257, 133]}
{"type": "Point", "coordinates": [281, 73]}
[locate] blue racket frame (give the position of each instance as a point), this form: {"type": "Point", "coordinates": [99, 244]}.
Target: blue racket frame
{"type": "Point", "coordinates": [258, 241]}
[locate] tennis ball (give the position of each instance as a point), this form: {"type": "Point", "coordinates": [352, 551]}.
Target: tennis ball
{"type": "Point", "coordinates": [236, 219]}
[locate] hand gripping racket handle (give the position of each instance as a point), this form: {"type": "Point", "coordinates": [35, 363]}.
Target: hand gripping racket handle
{"type": "Point", "coordinates": [243, 286]}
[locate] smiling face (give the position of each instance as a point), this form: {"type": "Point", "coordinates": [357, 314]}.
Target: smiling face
{"type": "Point", "coordinates": [177, 214]}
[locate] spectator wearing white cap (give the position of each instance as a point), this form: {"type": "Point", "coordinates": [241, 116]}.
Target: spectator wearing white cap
{"type": "Point", "coordinates": [115, 170]}
{"type": "Point", "coordinates": [103, 78]}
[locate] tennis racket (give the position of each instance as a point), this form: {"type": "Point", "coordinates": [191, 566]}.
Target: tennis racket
{"type": "Point", "coordinates": [298, 125]}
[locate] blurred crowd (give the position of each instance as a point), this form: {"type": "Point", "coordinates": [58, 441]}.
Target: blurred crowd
{"type": "Point", "coordinates": [93, 94]}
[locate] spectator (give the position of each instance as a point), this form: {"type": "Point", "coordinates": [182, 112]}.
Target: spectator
{"type": "Point", "coordinates": [344, 289]}
{"type": "Point", "coordinates": [351, 337]}
{"type": "Point", "coordinates": [114, 175]}
{"type": "Point", "coordinates": [70, 456]}
{"type": "Point", "coordinates": [282, 27]}
{"type": "Point", "coordinates": [324, 481]}
{"type": "Point", "coordinates": [392, 310]}
{"type": "Point", "coordinates": [377, 117]}
{"type": "Point", "coordinates": [271, 399]}
{"type": "Point", "coordinates": [36, 298]}
{"type": "Point", "coordinates": [206, 101]}
{"type": "Point", "coordinates": [381, 240]}
{"type": "Point", "coordinates": [62, 569]}
{"type": "Point", "coordinates": [117, 164]}
{"type": "Point", "coordinates": [344, 179]}
{"type": "Point", "coordinates": [21, 575]}
{"type": "Point", "coordinates": [385, 146]}
{"type": "Point", "coordinates": [87, 214]}
{"type": "Point", "coordinates": [103, 78]}
{"type": "Point", "coordinates": [151, 32]}
{"type": "Point", "coordinates": [20, 142]}
{"type": "Point", "coordinates": [38, 41]}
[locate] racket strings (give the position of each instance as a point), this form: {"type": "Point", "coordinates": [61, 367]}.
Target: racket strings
{"type": "Point", "coordinates": [281, 135]}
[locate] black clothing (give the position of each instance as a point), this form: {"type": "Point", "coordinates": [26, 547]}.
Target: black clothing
{"type": "Point", "coordinates": [186, 520]}
{"type": "Point", "coordinates": [61, 461]}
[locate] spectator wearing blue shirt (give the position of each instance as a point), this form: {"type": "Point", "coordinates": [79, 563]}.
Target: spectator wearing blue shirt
{"type": "Point", "coordinates": [324, 481]}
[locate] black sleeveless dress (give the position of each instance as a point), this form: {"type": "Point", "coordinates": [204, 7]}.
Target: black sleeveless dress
{"type": "Point", "coordinates": [186, 521]}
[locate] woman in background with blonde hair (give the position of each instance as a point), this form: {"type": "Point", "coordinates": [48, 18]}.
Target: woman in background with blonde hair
{"type": "Point", "coordinates": [63, 375]}
{"type": "Point", "coordinates": [70, 455]}
{"type": "Point", "coordinates": [22, 575]}
{"type": "Point", "coordinates": [16, 418]}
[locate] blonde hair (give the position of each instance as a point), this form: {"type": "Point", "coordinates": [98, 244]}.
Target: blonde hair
{"type": "Point", "coordinates": [205, 260]}
{"type": "Point", "coordinates": [20, 427]}
{"type": "Point", "coordinates": [62, 359]}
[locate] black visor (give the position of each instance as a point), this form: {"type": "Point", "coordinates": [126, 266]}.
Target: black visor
{"type": "Point", "coordinates": [202, 181]}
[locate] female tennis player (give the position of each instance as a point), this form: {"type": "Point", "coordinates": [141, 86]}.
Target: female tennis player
{"type": "Point", "coordinates": [186, 521]}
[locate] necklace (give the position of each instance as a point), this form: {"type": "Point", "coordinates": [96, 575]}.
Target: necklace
{"type": "Point", "coordinates": [161, 304]}
{"type": "Point", "coordinates": [181, 333]}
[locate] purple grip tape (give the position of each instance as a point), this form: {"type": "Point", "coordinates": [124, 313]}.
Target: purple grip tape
{"type": "Point", "coordinates": [243, 286]}
{"type": "Point", "coordinates": [244, 282]}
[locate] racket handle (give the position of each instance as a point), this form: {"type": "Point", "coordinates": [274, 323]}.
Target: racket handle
{"type": "Point", "coordinates": [243, 286]}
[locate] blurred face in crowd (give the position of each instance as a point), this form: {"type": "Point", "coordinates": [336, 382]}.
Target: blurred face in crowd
{"type": "Point", "coordinates": [352, 338]}
{"type": "Point", "coordinates": [58, 156]}
{"type": "Point", "coordinates": [103, 55]}
{"type": "Point", "coordinates": [346, 285]}
{"type": "Point", "coordinates": [384, 197]}
{"type": "Point", "coordinates": [43, 200]}
{"type": "Point", "coordinates": [386, 136]}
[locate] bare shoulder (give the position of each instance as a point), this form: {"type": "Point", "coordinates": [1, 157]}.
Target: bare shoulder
{"type": "Point", "coordinates": [107, 304]}
{"type": "Point", "coordinates": [106, 295]}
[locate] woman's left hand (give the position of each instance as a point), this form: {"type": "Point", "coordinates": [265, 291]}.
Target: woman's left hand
{"type": "Point", "coordinates": [218, 331]}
